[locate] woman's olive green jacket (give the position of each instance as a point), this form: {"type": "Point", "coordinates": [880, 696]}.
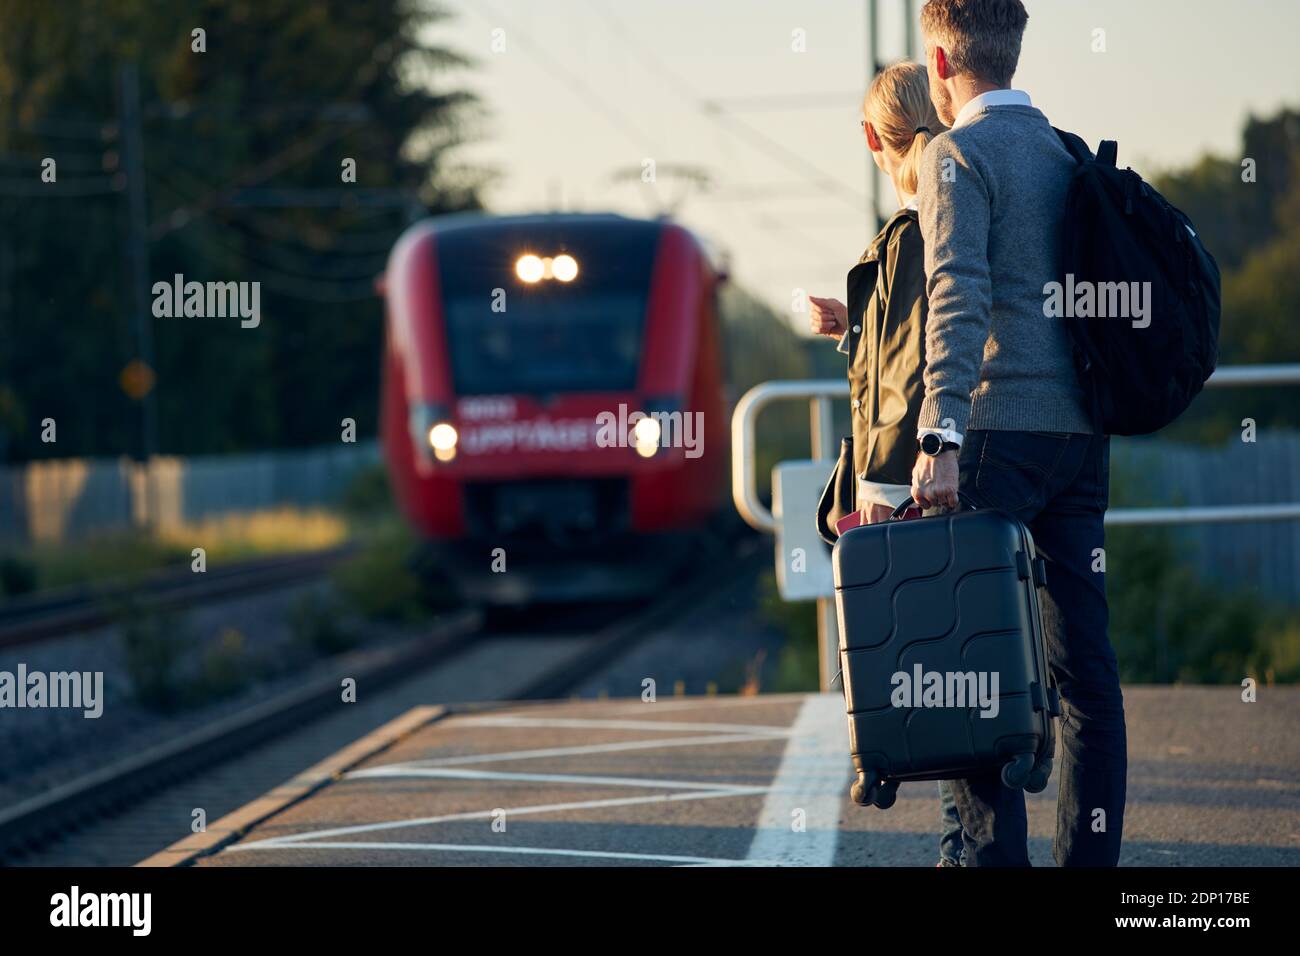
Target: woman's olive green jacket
{"type": "Point", "coordinates": [885, 343]}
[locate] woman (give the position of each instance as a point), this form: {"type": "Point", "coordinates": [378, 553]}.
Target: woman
{"type": "Point", "coordinates": [886, 291]}
{"type": "Point", "coordinates": [885, 342]}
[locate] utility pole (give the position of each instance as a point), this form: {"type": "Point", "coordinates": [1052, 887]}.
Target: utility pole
{"type": "Point", "coordinates": [138, 251]}
{"type": "Point", "coordinates": [872, 53]}
{"type": "Point", "coordinates": [909, 28]}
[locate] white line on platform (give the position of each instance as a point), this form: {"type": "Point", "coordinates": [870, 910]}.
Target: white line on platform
{"type": "Point", "coordinates": [295, 839]}
{"type": "Point", "coordinates": [583, 750]}
{"type": "Point", "coordinates": [695, 703]}
{"type": "Point", "coordinates": [580, 723]}
{"type": "Point", "coordinates": [590, 780]}
{"type": "Point", "coordinates": [813, 777]}
{"type": "Point", "coordinates": [531, 851]}
{"type": "Point", "coordinates": [801, 755]}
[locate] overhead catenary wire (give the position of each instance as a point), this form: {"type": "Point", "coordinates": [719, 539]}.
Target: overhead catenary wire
{"type": "Point", "coordinates": [574, 82]}
{"type": "Point", "coordinates": [786, 102]}
{"type": "Point", "coordinates": [80, 187]}
{"type": "Point", "coordinates": [346, 246]}
{"type": "Point", "coordinates": [264, 170]}
{"type": "Point", "coordinates": [319, 289]}
{"type": "Point", "coordinates": [318, 286]}
{"type": "Point", "coordinates": [716, 112]}
{"type": "Point", "coordinates": [335, 283]}
{"type": "Point", "coordinates": [283, 159]}
{"type": "Point", "coordinates": [756, 139]}
{"type": "Point", "coordinates": [100, 130]}
{"type": "Point", "coordinates": [78, 161]}
{"type": "Point", "coordinates": [813, 247]}
{"type": "Point", "coordinates": [89, 176]}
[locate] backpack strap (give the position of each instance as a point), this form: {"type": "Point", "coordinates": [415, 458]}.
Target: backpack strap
{"type": "Point", "coordinates": [1074, 145]}
{"type": "Point", "coordinates": [1107, 149]}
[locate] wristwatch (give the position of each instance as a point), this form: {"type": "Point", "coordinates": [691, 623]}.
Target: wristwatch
{"type": "Point", "coordinates": [934, 445]}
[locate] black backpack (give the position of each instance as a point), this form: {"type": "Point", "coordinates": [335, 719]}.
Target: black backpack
{"type": "Point", "coordinates": [1138, 372]}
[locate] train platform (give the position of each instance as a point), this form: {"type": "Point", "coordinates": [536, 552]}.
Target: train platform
{"type": "Point", "coordinates": [735, 781]}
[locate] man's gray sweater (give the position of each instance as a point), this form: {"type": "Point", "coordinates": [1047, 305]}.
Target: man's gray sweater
{"type": "Point", "coordinates": [991, 201]}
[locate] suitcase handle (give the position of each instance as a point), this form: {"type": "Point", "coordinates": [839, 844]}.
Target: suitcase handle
{"type": "Point", "coordinates": [961, 498]}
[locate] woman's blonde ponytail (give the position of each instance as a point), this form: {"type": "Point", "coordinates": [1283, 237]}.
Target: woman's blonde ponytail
{"type": "Point", "coordinates": [909, 170]}
{"type": "Point", "coordinates": [898, 106]}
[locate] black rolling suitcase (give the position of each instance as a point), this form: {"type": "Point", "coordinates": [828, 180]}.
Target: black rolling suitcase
{"type": "Point", "coordinates": [941, 652]}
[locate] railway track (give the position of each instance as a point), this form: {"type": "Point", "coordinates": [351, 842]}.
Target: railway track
{"type": "Point", "coordinates": [126, 811]}
{"type": "Point", "coordinates": [38, 617]}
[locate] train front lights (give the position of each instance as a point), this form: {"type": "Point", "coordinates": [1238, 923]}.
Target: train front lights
{"type": "Point", "coordinates": [442, 439]}
{"type": "Point", "coordinates": [530, 269]}
{"type": "Point", "coordinates": [564, 268]}
{"type": "Point", "coordinates": [646, 434]}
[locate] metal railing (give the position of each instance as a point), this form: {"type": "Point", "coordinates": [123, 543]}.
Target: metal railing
{"type": "Point", "coordinates": [820, 393]}
{"type": "Point", "coordinates": [744, 421]}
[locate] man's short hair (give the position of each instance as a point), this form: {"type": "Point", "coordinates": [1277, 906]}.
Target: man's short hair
{"type": "Point", "coordinates": [981, 37]}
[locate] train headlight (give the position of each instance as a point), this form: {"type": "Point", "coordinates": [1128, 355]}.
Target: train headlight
{"type": "Point", "coordinates": [530, 268]}
{"type": "Point", "coordinates": [645, 434]}
{"type": "Point", "coordinates": [564, 268]}
{"type": "Point", "coordinates": [442, 439]}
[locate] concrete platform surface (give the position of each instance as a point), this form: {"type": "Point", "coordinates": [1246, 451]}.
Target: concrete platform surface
{"type": "Point", "coordinates": [738, 781]}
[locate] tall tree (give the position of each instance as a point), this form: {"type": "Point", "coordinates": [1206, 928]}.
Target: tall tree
{"type": "Point", "coordinates": [1247, 211]}
{"type": "Point", "coordinates": [250, 130]}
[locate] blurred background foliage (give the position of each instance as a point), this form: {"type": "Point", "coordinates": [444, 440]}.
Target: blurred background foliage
{"type": "Point", "coordinates": [242, 149]}
{"type": "Point", "coordinates": [1251, 224]}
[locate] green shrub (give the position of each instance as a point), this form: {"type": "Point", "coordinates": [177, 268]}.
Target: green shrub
{"type": "Point", "coordinates": [154, 645]}
{"type": "Point", "coordinates": [17, 575]}
{"type": "Point", "coordinates": [367, 493]}
{"type": "Point", "coordinates": [797, 666]}
{"type": "Point", "coordinates": [225, 669]}
{"type": "Point", "coordinates": [1170, 626]}
{"type": "Point", "coordinates": [316, 625]}
{"type": "Point", "coordinates": [107, 556]}
{"type": "Point", "coordinates": [379, 581]}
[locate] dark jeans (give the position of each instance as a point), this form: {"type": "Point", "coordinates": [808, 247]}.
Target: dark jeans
{"type": "Point", "coordinates": [950, 839]}
{"type": "Point", "coordinates": [1058, 485]}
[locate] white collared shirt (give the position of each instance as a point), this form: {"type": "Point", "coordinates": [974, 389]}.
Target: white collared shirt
{"type": "Point", "coordinates": [990, 99]}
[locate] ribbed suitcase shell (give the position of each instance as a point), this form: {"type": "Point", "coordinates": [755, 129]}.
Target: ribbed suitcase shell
{"type": "Point", "coordinates": [953, 593]}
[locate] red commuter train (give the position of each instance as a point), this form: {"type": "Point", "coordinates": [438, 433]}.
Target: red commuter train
{"type": "Point", "coordinates": [554, 415]}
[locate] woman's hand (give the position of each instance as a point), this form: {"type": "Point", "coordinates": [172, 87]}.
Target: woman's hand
{"type": "Point", "coordinates": [828, 316]}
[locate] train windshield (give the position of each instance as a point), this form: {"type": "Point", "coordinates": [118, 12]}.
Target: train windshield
{"type": "Point", "coordinates": [552, 341]}
{"type": "Point", "coordinates": [507, 335]}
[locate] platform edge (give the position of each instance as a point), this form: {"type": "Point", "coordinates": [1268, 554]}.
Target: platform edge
{"type": "Point", "coordinates": [237, 823]}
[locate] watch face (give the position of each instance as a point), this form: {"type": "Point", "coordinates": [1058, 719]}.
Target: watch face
{"type": "Point", "coordinates": [931, 443]}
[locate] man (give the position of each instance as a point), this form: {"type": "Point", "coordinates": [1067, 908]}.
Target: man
{"type": "Point", "coordinates": [1003, 419]}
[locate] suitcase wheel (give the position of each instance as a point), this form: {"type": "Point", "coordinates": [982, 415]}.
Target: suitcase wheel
{"type": "Point", "coordinates": [864, 788]}
{"type": "Point", "coordinates": [1039, 776]}
{"type": "Point", "coordinates": [1016, 771]}
{"type": "Point", "coordinates": [886, 794]}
